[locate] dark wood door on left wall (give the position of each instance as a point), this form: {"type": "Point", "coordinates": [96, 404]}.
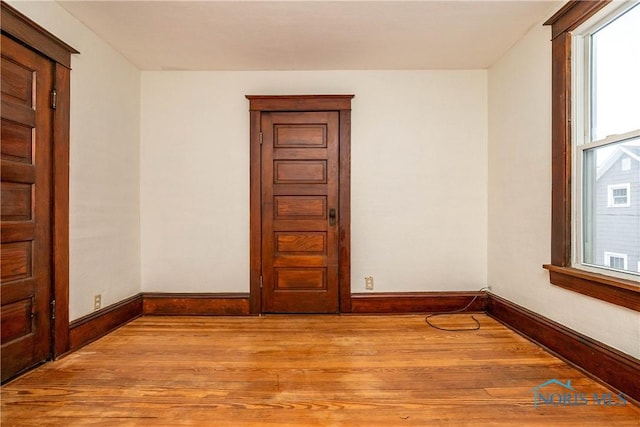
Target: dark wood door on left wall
{"type": "Point", "coordinates": [26, 194]}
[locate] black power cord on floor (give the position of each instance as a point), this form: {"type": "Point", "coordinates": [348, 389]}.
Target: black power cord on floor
{"type": "Point", "coordinates": [462, 310]}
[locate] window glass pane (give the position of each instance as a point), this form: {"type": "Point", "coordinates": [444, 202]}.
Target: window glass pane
{"type": "Point", "coordinates": [616, 262]}
{"type": "Point", "coordinates": [611, 205]}
{"type": "Point", "coordinates": [615, 80]}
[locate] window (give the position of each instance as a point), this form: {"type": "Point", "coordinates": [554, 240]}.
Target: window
{"type": "Point", "coordinates": [625, 164]}
{"type": "Point", "coordinates": [610, 54]}
{"type": "Point", "coordinates": [618, 195]}
{"type": "Point", "coordinates": [595, 127]}
{"type": "Point", "coordinates": [606, 129]}
{"type": "Point", "coordinates": [615, 260]}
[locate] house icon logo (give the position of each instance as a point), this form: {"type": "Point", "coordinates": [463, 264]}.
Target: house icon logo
{"type": "Point", "coordinates": [555, 381]}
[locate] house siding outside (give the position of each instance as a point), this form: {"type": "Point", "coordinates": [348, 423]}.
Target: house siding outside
{"type": "Point", "coordinates": [617, 228]}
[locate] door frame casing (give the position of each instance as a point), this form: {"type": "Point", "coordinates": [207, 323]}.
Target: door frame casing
{"type": "Point", "coordinates": [259, 104]}
{"type": "Point", "coordinates": [19, 27]}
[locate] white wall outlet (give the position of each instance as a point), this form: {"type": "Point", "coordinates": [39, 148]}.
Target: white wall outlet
{"type": "Point", "coordinates": [97, 302]}
{"type": "Point", "coordinates": [368, 283]}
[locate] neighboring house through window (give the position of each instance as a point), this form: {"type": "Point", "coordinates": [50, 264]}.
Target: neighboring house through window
{"type": "Point", "coordinates": [615, 260]}
{"type": "Point", "coordinates": [618, 195]}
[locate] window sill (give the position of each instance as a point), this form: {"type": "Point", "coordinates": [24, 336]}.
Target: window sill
{"type": "Point", "coordinates": [625, 293]}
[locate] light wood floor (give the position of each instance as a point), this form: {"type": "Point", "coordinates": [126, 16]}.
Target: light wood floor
{"type": "Point", "coordinates": [300, 371]}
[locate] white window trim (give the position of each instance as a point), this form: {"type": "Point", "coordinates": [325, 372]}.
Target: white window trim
{"type": "Point", "coordinates": [609, 255]}
{"type": "Point", "coordinates": [610, 199]}
{"type": "Point", "coordinates": [581, 128]}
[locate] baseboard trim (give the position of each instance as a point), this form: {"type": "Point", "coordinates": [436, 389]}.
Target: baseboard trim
{"type": "Point", "coordinates": [196, 304]}
{"type": "Point", "coordinates": [89, 328]}
{"type": "Point", "coordinates": [93, 326]}
{"type": "Point", "coordinates": [416, 302]}
{"type": "Point", "coordinates": [596, 359]}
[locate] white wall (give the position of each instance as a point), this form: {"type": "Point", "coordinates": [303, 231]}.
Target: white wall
{"type": "Point", "coordinates": [419, 176]}
{"type": "Point", "coordinates": [520, 199]}
{"type": "Point", "coordinates": [104, 164]}
{"type": "Point", "coordinates": [419, 171]}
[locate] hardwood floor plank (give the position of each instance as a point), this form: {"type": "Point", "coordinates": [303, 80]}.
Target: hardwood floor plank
{"type": "Point", "coordinates": [304, 371]}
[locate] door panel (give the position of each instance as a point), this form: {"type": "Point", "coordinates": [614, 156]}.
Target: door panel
{"type": "Point", "coordinates": [300, 177]}
{"type": "Point", "coordinates": [25, 213]}
{"type": "Point", "coordinates": [300, 207]}
{"type": "Point", "coordinates": [15, 142]}
{"type": "Point", "coordinates": [291, 243]}
{"type": "Point", "coordinates": [296, 135]}
{"type": "Point", "coordinates": [16, 261]}
{"type": "Point", "coordinates": [293, 172]}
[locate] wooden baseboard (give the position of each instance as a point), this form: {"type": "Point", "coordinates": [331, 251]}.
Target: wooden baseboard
{"type": "Point", "coordinates": [416, 302]}
{"type": "Point", "coordinates": [602, 362]}
{"type": "Point", "coordinates": [89, 328]}
{"type": "Point", "coordinates": [202, 304]}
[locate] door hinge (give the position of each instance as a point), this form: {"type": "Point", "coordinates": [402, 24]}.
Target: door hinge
{"type": "Point", "coordinates": [260, 138]}
{"type": "Point", "coordinates": [53, 309]}
{"type": "Point", "coordinates": [260, 282]}
{"type": "Point", "coordinates": [54, 99]}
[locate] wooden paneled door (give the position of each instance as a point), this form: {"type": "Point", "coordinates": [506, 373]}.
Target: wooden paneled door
{"type": "Point", "coordinates": [33, 194]}
{"type": "Point", "coordinates": [303, 234]}
{"type": "Point", "coordinates": [299, 212]}
{"type": "Point", "coordinates": [26, 207]}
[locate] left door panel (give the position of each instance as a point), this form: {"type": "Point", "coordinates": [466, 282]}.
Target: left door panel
{"type": "Point", "coordinates": [26, 208]}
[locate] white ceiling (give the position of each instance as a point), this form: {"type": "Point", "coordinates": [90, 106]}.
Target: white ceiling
{"type": "Point", "coordinates": [311, 35]}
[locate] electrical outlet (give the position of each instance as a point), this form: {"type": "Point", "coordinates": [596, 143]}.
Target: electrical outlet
{"type": "Point", "coordinates": [97, 301]}
{"type": "Point", "coordinates": [368, 283]}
